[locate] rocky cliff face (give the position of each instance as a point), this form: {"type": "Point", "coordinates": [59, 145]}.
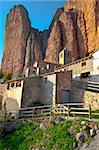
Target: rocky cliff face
{"type": "Point", "coordinates": [87, 24]}
{"type": "Point", "coordinates": [76, 27]}
{"type": "Point", "coordinates": [23, 44]}
{"type": "Point", "coordinates": [17, 31]}
{"type": "Point", "coordinates": [79, 23]}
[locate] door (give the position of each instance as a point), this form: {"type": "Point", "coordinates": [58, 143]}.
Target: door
{"type": "Point", "coordinates": [65, 96]}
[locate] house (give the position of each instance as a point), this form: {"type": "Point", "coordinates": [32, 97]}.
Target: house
{"type": "Point", "coordinates": [56, 87]}
{"type": "Point", "coordinates": [86, 68]}
{"type": "Point", "coordinates": [64, 56]}
{"type": "Point", "coordinates": [49, 88]}
{"type": "Point", "coordinates": [49, 83]}
{"type": "Point", "coordinates": [85, 79]}
{"type": "Point", "coordinates": [40, 67]}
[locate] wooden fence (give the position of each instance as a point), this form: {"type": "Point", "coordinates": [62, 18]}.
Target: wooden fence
{"type": "Point", "coordinates": [70, 109]}
{"type": "Point", "coordinates": [31, 111]}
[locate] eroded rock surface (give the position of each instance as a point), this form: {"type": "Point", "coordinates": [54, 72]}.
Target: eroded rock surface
{"type": "Point", "coordinates": [17, 30]}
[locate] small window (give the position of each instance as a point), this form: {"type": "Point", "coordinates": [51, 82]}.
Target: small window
{"type": "Point", "coordinates": [87, 54]}
{"type": "Point", "coordinates": [33, 72]}
{"type": "Point", "coordinates": [85, 75]}
{"type": "Point", "coordinates": [83, 64]}
{"type": "Point", "coordinates": [48, 66]}
{"type": "Point", "coordinates": [8, 86]}
{"type": "Point", "coordinates": [43, 68]}
{"type": "Point", "coordinates": [61, 55]}
{"type": "Point", "coordinates": [18, 84]}
{"type": "Point", "coordinates": [12, 84]}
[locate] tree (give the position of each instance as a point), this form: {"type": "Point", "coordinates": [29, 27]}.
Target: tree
{"type": "Point", "coordinates": [1, 74]}
{"type": "Point", "coordinates": [7, 76]}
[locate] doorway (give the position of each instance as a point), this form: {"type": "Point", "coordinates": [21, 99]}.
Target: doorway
{"type": "Point", "coordinates": [65, 96]}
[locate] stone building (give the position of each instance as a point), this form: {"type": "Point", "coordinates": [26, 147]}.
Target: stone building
{"type": "Point", "coordinates": [49, 88]}
{"type": "Point", "coordinates": [3, 88]}
{"type": "Point", "coordinates": [65, 56]}
{"type": "Point", "coordinates": [40, 67]}
{"type": "Point", "coordinates": [86, 68]}
{"type": "Point", "coordinates": [50, 83]}
{"type": "Point", "coordinates": [85, 79]}
{"type": "Point", "coordinates": [56, 87]}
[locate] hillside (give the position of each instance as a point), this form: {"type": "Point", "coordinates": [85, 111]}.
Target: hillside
{"type": "Point", "coordinates": [31, 137]}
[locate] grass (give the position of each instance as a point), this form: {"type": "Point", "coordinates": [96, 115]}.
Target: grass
{"type": "Point", "coordinates": [55, 137]}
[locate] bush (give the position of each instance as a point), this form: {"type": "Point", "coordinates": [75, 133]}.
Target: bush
{"type": "Point", "coordinates": [5, 75]}
{"type": "Point", "coordinates": [1, 74]}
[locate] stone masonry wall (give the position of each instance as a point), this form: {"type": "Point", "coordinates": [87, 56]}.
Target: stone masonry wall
{"type": "Point", "coordinates": [48, 89]}
{"type": "Point", "coordinates": [2, 91]}
{"type": "Point", "coordinates": [91, 98]}
{"type": "Point", "coordinates": [63, 83]}
{"type": "Point", "coordinates": [79, 93]}
{"type": "Point", "coordinates": [31, 91]}
{"type": "Point", "coordinates": [77, 67]}
{"type": "Point", "coordinates": [12, 98]}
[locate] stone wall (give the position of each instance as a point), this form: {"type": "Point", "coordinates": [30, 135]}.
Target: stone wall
{"type": "Point", "coordinates": [2, 91]}
{"type": "Point", "coordinates": [31, 91]}
{"type": "Point", "coordinates": [81, 92]}
{"type": "Point", "coordinates": [91, 98]}
{"type": "Point", "coordinates": [77, 95]}
{"type": "Point", "coordinates": [12, 97]}
{"type": "Point", "coordinates": [48, 89]}
{"type": "Point", "coordinates": [77, 91]}
{"type": "Point", "coordinates": [3, 88]}
{"type": "Point", "coordinates": [63, 83]}
{"type": "Point", "coordinates": [77, 67]}
{"type": "Point", "coordinates": [1, 99]}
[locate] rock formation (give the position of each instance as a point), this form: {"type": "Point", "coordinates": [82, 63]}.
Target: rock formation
{"type": "Point", "coordinates": [87, 22]}
{"type": "Point", "coordinates": [23, 44]}
{"type": "Point", "coordinates": [17, 31]}
{"type": "Point", "coordinates": [76, 27]}
{"type": "Point", "coordinates": [54, 43]}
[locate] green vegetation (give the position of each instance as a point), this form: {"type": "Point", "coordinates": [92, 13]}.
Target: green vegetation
{"type": "Point", "coordinates": [55, 136]}
{"type": "Point", "coordinates": [1, 74]}
{"type": "Point", "coordinates": [5, 75]}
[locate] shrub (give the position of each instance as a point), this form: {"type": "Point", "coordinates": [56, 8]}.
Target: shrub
{"type": "Point", "coordinates": [1, 74]}
{"type": "Point", "coordinates": [5, 75]}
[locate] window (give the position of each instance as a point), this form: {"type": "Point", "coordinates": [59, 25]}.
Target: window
{"type": "Point", "coordinates": [85, 75]}
{"type": "Point", "coordinates": [8, 86]}
{"type": "Point", "coordinates": [12, 84]}
{"type": "Point", "coordinates": [83, 64]}
{"type": "Point", "coordinates": [87, 54]}
{"type": "Point", "coordinates": [18, 84]}
{"type": "Point", "coordinates": [33, 72]}
{"type": "Point", "coordinates": [48, 66]}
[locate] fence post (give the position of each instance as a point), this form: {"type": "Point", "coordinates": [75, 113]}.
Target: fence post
{"type": "Point", "coordinates": [89, 111]}
{"type": "Point", "coordinates": [68, 110]}
{"type": "Point", "coordinates": [33, 113]}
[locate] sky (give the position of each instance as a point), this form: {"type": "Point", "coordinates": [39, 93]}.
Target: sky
{"type": "Point", "coordinates": [40, 12]}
